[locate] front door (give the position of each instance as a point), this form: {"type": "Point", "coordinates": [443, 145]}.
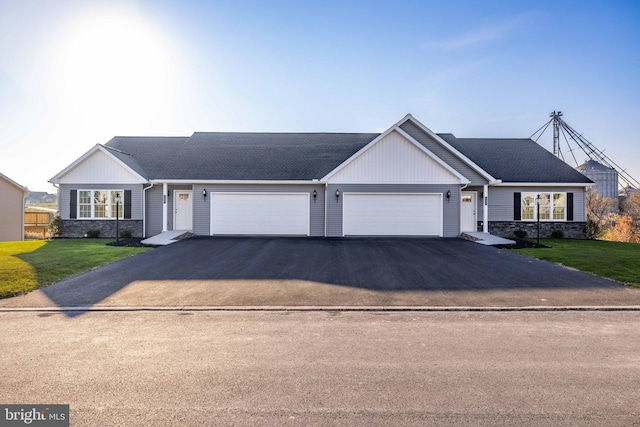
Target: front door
{"type": "Point", "coordinates": [468, 207]}
{"type": "Point", "coordinates": [183, 210]}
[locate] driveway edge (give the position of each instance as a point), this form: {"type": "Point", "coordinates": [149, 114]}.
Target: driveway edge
{"type": "Point", "coordinates": [321, 308]}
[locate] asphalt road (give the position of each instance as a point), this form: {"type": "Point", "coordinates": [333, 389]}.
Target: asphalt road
{"type": "Point", "coordinates": [329, 272]}
{"type": "Point", "coordinates": [186, 368]}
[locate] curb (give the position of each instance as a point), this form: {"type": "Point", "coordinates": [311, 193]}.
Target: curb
{"type": "Point", "coordinates": [319, 309]}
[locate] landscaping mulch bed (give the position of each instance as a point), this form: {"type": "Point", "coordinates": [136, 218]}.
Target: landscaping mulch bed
{"type": "Point", "coordinates": [133, 242]}
{"type": "Point", "coordinates": [521, 244]}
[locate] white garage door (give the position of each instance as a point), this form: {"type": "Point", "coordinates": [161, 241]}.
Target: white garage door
{"type": "Point", "coordinates": [392, 214]}
{"type": "Point", "coordinates": [260, 213]}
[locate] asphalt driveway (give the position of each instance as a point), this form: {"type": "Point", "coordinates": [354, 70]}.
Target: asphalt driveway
{"type": "Point", "coordinates": [329, 272]}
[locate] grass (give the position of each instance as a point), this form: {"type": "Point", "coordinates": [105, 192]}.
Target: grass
{"type": "Point", "coordinates": [29, 265]}
{"type": "Point", "coordinates": [613, 260]}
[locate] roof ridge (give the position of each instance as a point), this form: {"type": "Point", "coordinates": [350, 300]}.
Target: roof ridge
{"type": "Point", "coordinates": [290, 133]}
{"type": "Point", "coordinates": [115, 149]}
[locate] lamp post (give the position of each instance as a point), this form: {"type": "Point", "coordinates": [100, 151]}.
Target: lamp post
{"type": "Point", "coordinates": [538, 215]}
{"type": "Point", "coordinates": [117, 218]}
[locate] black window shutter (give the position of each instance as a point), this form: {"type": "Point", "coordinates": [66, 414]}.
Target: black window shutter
{"type": "Point", "coordinates": [73, 204]}
{"type": "Point", "coordinates": [517, 206]}
{"type": "Point", "coordinates": [127, 204]}
{"type": "Point", "coordinates": [569, 206]}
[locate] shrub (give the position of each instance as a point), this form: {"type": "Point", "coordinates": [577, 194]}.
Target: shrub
{"type": "Point", "coordinates": [93, 234]}
{"type": "Point", "coordinates": [125, 234]}
{"type": "Point", "coordinates": [520, 234]}
{"type": "Point", "coordinates": [592, 230]}
{"type": "Point", "coordinates": [56, 226]}
{"type": "Point", "coordinates": [557, 234]}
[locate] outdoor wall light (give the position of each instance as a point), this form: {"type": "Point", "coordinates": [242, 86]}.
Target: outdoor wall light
{"type": "Point", "coordinates": [337, 194]}
{"type": "Point", "coordinates": [448, 196]}
{"type": "Point", "coordinates": [315, 194]}
{"type": "Point", "coordinates": [204, 193]}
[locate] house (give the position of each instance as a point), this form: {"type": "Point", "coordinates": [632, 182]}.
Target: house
{"type": "Point", "coordinates": [406, 181]}
{"type": "Point", "coordinates": [13, 196]}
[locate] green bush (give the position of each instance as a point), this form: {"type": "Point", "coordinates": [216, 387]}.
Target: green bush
{"type": "Point", "coordinates": [592, 230]}
{"type": "Point", "coordinates": [93, 234]}
{"type": "Point", "coordinates": [557, 234]}
{"type": "Point", "coordinates": [125, 234]}
{"type": "Point", "coordinates": [520, 234]}
{"type": "Point", "coordinates": [56, 226]}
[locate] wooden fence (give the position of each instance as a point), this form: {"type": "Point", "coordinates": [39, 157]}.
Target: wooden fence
{"type": "Point", "coordinates": [37, 222]}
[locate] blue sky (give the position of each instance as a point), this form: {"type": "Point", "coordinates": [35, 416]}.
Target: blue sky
{"type": "Point", "coordinates": [76, 73]}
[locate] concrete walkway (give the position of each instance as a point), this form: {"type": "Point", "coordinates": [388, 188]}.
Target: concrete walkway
{"type": "Point", "coordinates": [164, 238]}
{"type": "Point", "coordinates": [486, 238]}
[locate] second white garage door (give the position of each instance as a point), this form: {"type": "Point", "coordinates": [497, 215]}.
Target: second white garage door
{"type": "Point", "coordinates": [392, 214]}
{"type": "Point", "coordinates": [260, 213]}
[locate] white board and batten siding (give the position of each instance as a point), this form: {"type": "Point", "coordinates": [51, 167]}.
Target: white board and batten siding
{"type": "Point", "coordinates": [392, 214]}
{"type": "Point", "coordinates": [99, 168]}
{"type": "Point", "coordinates": [394, 159]}
{"type": "Point", "coordinates": [263, 213]}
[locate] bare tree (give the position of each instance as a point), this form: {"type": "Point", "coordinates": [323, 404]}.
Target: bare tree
{"type": "Point", "coordinates": [598, 210]}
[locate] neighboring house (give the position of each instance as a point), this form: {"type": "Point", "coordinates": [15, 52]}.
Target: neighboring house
{"type": "Point", "coordinates": [406, 181]}
{"type": "Point", "coordinates": [12, 197]}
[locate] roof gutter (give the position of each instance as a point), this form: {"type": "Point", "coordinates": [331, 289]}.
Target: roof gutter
{"type": "Point", "coordinates": [545, 184]}
{"type": "Point", "coordinates": [229, 181]}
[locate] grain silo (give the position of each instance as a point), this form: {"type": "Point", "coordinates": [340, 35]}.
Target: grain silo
{"type": "Point", "coordinates": [606, 178]}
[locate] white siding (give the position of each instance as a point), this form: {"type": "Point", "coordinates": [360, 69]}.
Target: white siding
{"type": "Point", "coordinates": [394, 159]}
{"type": "Point", "coordinates": [99, 168]}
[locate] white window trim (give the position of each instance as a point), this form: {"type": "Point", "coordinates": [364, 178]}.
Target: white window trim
{"type": "Point", "coordinates": [535, 206]}
{"type": "Point", "coordinates": [93, 206]}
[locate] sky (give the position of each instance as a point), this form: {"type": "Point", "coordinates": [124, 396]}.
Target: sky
{"type": "Point", "coordinates": [75, 73]}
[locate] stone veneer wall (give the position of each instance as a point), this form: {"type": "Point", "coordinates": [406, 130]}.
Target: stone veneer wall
{"type": "Point", "coordinates": [107, 228]}
{"type": "Point", "coordinates": [571, 230]}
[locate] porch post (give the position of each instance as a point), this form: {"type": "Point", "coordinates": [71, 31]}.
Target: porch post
{"type": "Point", "coordinates": [485, 209]}
{"type": "Point", "coordinates": [165, 206]}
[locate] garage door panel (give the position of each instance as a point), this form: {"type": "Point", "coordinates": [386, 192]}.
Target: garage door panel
{"type": "Point", "coordinates": [392, 214]}
{"type": "Point", "coordinates": [260, 213]}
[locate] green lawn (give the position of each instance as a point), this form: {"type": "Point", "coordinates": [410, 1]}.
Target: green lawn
{"type": "Point", "coordinates": [613, 260]}
{"type": "Point", "coordinates": [28, 265]}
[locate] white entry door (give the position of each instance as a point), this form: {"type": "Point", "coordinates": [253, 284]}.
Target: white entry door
{"type": "Point", "coordinates": [468, 211]}
{"type": "Point", "coordinates": [183, 210]}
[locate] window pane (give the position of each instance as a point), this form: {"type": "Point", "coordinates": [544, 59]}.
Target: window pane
{"type": "Point", "coordinates": [528, 203]}
{"type": "Point", "coordinates": [100, 204]}
{"type": "Point", "coordinates": [558, 206]}
{"type": "Point", "coordinates": [545, 206]}
{"type": "Point", "coordinates": [84, 196]}
{"type": "Point", "coordinates": [85, 211]}
{"type": "Point", "coordinates": [114, 206]}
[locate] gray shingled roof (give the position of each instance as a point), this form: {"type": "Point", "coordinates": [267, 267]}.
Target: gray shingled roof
{"type": "Point", "coordinates": [516, 160]}
{"type": "Point", "coordinates": [146, 155]}
{"type": "Point", "coordinates": [240, 156]}
{"type": "Point", "coordinates": [307, 156]}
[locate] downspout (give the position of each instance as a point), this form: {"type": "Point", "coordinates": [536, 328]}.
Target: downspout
{"type": "Point", "coordinates": [165, 188]}
{"type": "Point", "coordinates": [485, 210]}
{"type": "Point", "coordinates": [144, 209]}
{"type": "Point", "coordinates": [326, 188]}
{"type": "Point", "coordinates": [462, 187]}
